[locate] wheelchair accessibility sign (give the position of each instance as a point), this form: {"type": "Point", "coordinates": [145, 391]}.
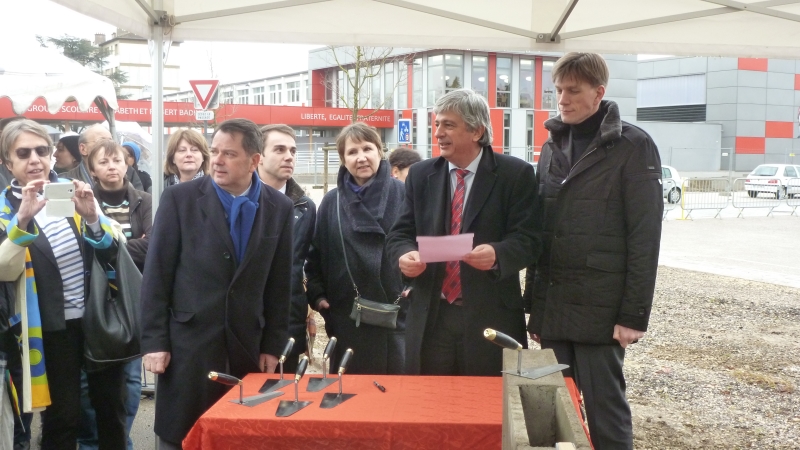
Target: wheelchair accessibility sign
{"type": "Point", "coordinates": [404, 131]}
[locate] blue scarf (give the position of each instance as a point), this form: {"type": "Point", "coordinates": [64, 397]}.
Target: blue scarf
{"type": "Point", "coordinates": [241, 212]}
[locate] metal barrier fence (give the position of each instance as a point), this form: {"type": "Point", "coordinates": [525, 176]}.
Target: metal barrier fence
{"type": "Point", "coordinates": [745, 195]}
{"type": "Point", "coordinates": [793, 194]}
{"type": "Point", "coordinates": [704, 193]}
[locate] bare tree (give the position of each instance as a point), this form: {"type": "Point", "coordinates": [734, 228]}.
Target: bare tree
{"type": "Point", "coordinates": [359, 69]}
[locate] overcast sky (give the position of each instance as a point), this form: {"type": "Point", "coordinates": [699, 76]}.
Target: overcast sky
{"type": "Point", "coordinates": [22, 20]}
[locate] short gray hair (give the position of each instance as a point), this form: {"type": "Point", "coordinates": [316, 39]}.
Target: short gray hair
{"type": "Point", "coordinates": [472, 108]}
{"type": "Point", "coordinates": [15, 129]}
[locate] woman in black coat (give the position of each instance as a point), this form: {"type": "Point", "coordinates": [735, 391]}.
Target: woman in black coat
{"type": "Point", "coordinates": [369, 200]}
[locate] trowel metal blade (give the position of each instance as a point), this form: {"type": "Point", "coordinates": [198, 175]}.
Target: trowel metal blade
{"type": "Point", "coordinates": [316, 384]}
{"type": "Point", "coordinates": [254, 400]}
{"type": "Point", "coordinates": [331, 400]}
{"type": "Point", "coordinates": [274, 385]}
{"type": "Point", "coordinates": [288, 407]}
{"type": "Point", "coordinates": [538, 372]}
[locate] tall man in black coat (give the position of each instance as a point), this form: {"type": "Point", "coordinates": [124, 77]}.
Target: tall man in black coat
{"type": "Point", "coordinates": [445, 323]}
{"type": "Point", "coordinates": [215, 294]}
{"type": "Point", "coordinates": [600, 187]}
{"type": "Point", "coordinates": [275, 170]}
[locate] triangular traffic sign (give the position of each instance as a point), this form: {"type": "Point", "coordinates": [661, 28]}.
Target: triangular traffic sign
{"type": "Point", "coordinates": [204, 90]}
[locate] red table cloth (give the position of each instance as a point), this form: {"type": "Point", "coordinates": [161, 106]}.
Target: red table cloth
{"type": "Point", "coordinates": [415, 412]}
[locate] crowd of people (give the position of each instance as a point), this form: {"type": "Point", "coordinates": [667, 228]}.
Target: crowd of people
{"type": "Point", "coordinates": [238, 258]}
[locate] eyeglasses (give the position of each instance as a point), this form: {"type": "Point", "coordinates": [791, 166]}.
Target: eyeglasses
{"type": "Point", "coordinates": [25, 153]}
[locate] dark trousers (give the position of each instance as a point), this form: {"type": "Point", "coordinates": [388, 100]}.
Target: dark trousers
{"type": "Point", "coordinates": [63, 352]}
{"type": "Point", "coordinates": [443, 350]}
{"type": "Point", "coordinates": [597, 371]}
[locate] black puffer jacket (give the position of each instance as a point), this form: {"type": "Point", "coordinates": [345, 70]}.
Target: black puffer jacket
{"type": "Point", "coordinates": [602, 233]}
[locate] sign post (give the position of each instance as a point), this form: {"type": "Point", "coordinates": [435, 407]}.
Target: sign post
{"type": "Point", "coordinates": [205, 91]}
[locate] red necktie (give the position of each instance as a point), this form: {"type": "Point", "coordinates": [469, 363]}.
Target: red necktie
{"type": "Point", "coordinates": [452, 275]}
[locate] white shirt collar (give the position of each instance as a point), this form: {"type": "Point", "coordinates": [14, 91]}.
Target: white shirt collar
{"type": "Point", "coordinates": [471, 167]}
{"type": "Point", "coordinates": [283, 189]}
{"type": "Point", "coordinates": [246, 191]}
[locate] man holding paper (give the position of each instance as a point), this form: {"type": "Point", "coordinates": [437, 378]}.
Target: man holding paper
{"type": "Point", "coordinates": [468, 189]}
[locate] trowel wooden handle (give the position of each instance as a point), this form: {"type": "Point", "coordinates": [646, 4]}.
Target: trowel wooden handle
{"type": "Point", "coordinates": [301, 368]}
{"type": "Point", "coordinates": [223, 378]}
{"type": "Point", "coordinates": [287, 349]}
{"type": "Point", "coordinates": [348, 355]}
{"type": "Point", "coordinates": [329, 349]}
{"type": "Point", "coordinates": [501, 339]}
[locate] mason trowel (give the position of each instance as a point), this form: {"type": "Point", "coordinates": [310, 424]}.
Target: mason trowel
{"type": "Point", "coordinates": [331, 400]}
{"type": "Point", "coordinates": [316, 384]}
{"type": "Point", "coordinates": [287, 407]}
{"type": "Point", "coordinates": [506, 341]}
{"type": "Point", "coordinates": [251, 401]}
{"type": "Point", "coordinates": [274, 385]}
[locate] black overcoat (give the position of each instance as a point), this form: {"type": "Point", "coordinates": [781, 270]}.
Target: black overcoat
{"type": "Point", "coordinates": [365, 222]}
{"type": "Point", "coordinates": [499, 210]}
{"type": "Point", "coordinates": [211, 313]}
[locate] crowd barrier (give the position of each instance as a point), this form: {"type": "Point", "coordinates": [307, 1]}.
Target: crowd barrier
{"type": "Point", "coordinates": [793, 194]}
{"type": "Point", "coordinates": [704, 193]}
{"type": "Point", "coordinates": [744, 197]}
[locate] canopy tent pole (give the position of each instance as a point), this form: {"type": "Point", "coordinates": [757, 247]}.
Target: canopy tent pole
{"type": "Point", "coordinates": [157, 111]}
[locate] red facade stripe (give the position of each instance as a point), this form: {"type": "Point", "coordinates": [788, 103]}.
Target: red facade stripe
{"type": "Point", "coordinates": [750, 145]}
{"type": "Point", "coordinates": [758, 64]}
{"type": "Point", "coordinates": [492, 81]}
{"type": "Point", "coordinates": [496, 116]}
{"type": "Point", "coordinates": [779, 129]}
{"type": "Point", "coordinates": [797, 82]}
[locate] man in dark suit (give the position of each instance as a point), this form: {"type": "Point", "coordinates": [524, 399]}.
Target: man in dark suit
{"type": "Point", "coordinates": [216, 288]}
{"type": "Point", "coordinates": [468, 189]}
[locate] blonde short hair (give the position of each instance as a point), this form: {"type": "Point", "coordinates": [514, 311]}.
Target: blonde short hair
{"type": "Point", "coordinates": [588, 67]}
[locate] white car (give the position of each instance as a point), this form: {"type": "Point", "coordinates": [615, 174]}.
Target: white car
{"type": "Point", "coordinates": [671, 182]}
{"type": "Point", "coordinates": [779, 180]}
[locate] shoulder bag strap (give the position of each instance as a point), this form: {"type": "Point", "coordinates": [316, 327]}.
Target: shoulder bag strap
{"type": "Point", "coordinates": [344, 250]}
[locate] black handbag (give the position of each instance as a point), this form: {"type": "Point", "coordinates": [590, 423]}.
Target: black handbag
{"type": "Point", "coordinates": [367, 311]}
{"type": "Point", "coordinates": [111, 315]}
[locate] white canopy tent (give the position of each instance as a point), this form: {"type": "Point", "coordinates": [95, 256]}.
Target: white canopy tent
{"type": "Point", "coordinates": [30, 72]}
{"type": "Point", "coordinates": [754, 28]}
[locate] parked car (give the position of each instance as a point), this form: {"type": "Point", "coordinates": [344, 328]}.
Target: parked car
{"type": "Point", "coordinates": [671, 182]}
{"type": "Point", "coordinates": [779, 180]}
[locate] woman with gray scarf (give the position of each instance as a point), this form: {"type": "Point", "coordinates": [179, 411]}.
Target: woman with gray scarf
{"type": "Point", "coordinates": [369, 200]}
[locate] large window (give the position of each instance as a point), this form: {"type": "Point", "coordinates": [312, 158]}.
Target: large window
{"type": "Point", "coordinates": [293, 92]}
{"type": "Point", "coordinates": [507, 133]}
{"type": "Point", "coordinates": [375, 79]}
{"type": "Point", "coordinates": [402, 85]}
{"type": "Point", "coordinates": [388, 86]}
{"type": "Point", "coordinates": [503, 82]}
{"type": "Point", "coordinates": [445, 73]}
{"type": "Point", "coordinates": [549, 99]}
{"type": "Point", "coordinates": [242, 96]}
{"type": "Point", "coordinates": [416, 84]}
{"type": "Point", "coordinates": [275, 94]}
{"type": "Point", "coordinates": [227, 97]}
{"type": "Point", "coordinates": [526, 71]}
{"type": "Point", "coordinates": [480, 75]}
{"type": "Point", "coordinates": [258, 95]}
{"type": "Point", "coordinates": [529, 137]}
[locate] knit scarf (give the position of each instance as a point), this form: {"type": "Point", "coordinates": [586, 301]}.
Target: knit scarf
{"type": "Point", "coordinates": [28, 316]}
{"type": "Point", "coordinates": [241, 213]}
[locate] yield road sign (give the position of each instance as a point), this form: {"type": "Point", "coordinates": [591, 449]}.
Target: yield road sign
{"type": "Point", "coordinates": [204, 91]}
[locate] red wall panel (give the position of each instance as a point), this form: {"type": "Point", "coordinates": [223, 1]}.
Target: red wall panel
{"type": "Point", "coordinates": [779, 129]}
{"type": "Point", "coordinates": [318, 88]}
{"type": "Point", "coordinates": [496, 116]}
{"type": "Point", "coordinates": [797, 82]}
{"type": "Point", "coordinates": [758, 64]}
{"type": "Point", "coordinates": [750, 145]}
